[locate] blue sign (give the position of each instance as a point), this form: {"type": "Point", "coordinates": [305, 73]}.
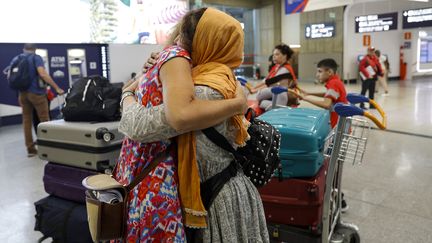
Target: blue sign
{"type": "Point", "coordinates": [58, 68]}
{"type": "Point", "coordinates": [295, 6]}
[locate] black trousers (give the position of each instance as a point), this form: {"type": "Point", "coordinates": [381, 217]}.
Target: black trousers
{"type": "Point", "coordinates": [368, 85]}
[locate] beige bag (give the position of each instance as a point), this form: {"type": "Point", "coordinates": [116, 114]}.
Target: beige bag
{"type": "Point", "coordinates": [106, 201]}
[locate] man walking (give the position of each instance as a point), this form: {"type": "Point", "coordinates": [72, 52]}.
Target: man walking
{"type": "Point", "coordinates": [370, 69]}
{"type": "Point", "coordinates": [35, 96]}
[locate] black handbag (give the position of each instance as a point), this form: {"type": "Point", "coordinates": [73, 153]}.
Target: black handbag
{"type": "Point", "coordinates": [259, 158]}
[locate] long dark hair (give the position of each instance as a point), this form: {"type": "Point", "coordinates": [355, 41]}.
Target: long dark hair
{"type": "Point", "coordinates": [285, 50]}
{"type": "Point", "coordinates": [186, 28]}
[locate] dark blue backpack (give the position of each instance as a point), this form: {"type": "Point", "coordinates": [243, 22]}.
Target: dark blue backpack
{"type": "Point", "coordinates": [19, 77]}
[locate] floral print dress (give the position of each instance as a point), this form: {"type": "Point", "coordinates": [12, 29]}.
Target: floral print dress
{"type": "Point", "coordinates": [154, 212]}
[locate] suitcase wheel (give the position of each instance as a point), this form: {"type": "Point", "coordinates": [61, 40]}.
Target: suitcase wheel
{"type": "Point", "coordinates": [346, 235]}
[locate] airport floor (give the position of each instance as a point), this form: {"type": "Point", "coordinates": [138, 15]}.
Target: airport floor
{"type": "Point", "coordinates": [389, 195]}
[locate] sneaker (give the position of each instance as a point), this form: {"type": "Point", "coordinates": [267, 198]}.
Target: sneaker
{"type": "Point", "coordinates": [31, 152]}
{"type": "Point", "coordinates": [344, 206]}
{"type": "Point", "coordinates": [385, 94]}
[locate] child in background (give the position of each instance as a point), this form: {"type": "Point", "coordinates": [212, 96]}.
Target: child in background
{"type": "Point", "coordinates": [335, 89]}
{"type": "Point", "coordinates": [335, 92]}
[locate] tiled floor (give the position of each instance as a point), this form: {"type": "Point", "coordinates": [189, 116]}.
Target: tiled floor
{"type": "Point", "coordinates": [390, 196]}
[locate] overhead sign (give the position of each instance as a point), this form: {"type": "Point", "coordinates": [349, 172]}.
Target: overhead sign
{"type": "Point", "coordinates": [295, 6]}
{"type": "Point", "coordinates": [299, 6]}
{"type": "Point", "coordinates": [322, 30]}
{"type": "Point", "coordinates": [376, 22]}
{"type": "Point", "coordinates": [416, 18]}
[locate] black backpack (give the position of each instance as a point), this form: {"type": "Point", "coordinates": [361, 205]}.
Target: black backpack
{"type": "Point", "coordinates": [19, 77]}
{"type": "Point", "coordinates": [93, 98]}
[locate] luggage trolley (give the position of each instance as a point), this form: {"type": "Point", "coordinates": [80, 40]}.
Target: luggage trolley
{"type": "Point", "coordinates": [346, 143]}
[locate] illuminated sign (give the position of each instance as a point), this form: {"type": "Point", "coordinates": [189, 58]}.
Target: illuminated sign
{"type": "Point", "coordinates": [415, 18]}
{"type": "Point", "coordinates": [376, 22]}
{"type": "Point", "coordinates": [323, 30]}
{"type": "Point", "coordinates": [426, 51]}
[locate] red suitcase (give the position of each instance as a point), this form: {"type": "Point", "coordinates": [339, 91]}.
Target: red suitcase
{"type": "Point", "coordinates": [295, 201]}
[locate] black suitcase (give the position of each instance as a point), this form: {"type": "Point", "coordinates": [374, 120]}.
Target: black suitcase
{"type": "Point", "coordinates": [290, 234]}
{"type": "Point", "coordinates": [89, 145]}
{"type": "Point", "coordinates": [65, 181]}
{"type": "Point", "coordinates": [62, 220]}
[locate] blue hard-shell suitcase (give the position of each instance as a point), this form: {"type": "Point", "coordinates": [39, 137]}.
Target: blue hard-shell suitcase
{"type": "Point", "coordinates": [303, 131]}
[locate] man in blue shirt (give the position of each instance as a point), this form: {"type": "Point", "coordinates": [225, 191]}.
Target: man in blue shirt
{"type": "Point", "coordinates": [35, 96]}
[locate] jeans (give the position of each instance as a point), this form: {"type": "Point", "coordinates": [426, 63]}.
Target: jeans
{"type": "Point", "coordinates": [28, 102]}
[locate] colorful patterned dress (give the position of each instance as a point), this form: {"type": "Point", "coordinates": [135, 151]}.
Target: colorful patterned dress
{"type": "Point", "coordinates": [154, 208]}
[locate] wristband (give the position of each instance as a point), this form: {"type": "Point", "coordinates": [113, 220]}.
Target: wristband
{"type": "Point", "coordinates": [128, 92]}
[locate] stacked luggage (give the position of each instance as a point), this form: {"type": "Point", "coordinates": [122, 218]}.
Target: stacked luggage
{"type": "Point", "coordinates": [293, 200]}
{"type": "Point", "coordinates": [74, 150]}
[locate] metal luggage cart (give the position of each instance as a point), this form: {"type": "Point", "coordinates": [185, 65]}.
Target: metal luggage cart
{"type": "Point", "coordinates": [346, 143]}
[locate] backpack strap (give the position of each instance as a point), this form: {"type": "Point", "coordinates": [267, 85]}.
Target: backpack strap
{"type": "Point", "coordinates": [278, 78]}
{"type": "Point", "coordinates": [213, 135]}
{"type": "Point", "coordinates": [212, 186]}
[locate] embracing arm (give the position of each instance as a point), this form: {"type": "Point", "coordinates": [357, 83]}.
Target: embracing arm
{"type": "Point", "coordinates": [186, 113]}
{"type": "Point", "coordinates": [145, 124]}
{"type": "Point", "coordinates": [150, 124]}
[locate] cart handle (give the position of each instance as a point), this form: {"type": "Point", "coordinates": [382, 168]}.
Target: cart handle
{"type": "Point", "coordinates": [352, 110]}
{"type": "Point", "coordinates": [358, 98]}
{"type": "Point", "coordinates": [243, 81]}
{"type": "Point", "coordinates": [278, 89]}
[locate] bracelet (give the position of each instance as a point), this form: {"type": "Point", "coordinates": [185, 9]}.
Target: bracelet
{"type": "Point", "coordinates": [124, 96]}
{"type": "Point", "coordinates": [128, 92]}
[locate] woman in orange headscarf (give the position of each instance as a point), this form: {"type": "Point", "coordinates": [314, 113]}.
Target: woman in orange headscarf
{"type": "Point", "coordinates": [215, 43]}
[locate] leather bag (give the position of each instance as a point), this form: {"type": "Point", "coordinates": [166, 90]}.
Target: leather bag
{"type": "Point", "coordinates": [107, 218]}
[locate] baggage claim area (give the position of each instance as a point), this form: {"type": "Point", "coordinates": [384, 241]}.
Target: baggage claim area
{"type": "Point", "coordinates": [364, 178]}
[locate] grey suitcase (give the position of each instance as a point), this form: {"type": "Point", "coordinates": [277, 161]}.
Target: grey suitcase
{"type": "Point", "coordinates": [90, 145]}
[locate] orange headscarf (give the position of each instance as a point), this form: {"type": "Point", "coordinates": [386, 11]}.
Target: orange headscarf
{"type": "Point", "coordinates": [217, 48]}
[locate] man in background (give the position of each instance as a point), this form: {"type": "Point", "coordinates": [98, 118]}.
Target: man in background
{"type": "Point", "coordinates": [370, 69]}
{"type": "Point", "coordinates": [34, 98]}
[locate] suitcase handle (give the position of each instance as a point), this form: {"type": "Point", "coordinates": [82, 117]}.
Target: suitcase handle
{"type": "Point", "coordinates": [289, 200]}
